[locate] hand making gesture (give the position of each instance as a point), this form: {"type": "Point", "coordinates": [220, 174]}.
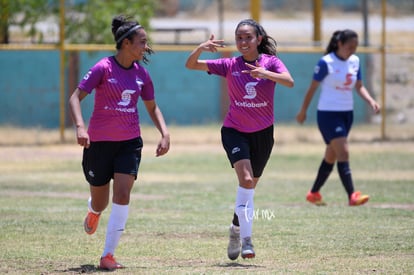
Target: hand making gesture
{"type": "Point", "coordinates": [259, 72]}
{"type": "Point", "coordinates": [211, 44]}
{"type": "Point", "coordinates": [256, 71]}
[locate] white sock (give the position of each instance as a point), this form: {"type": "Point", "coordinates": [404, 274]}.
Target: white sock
{"type": "Point", "coordinates": [90, 206]}
{"type": "Point", "coordinates": [245, 209]}
{"type": "Point", "coordinates": [116, 226]}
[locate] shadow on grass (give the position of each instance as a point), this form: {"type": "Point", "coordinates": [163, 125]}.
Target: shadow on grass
{"type": "Point", "coordinates": [88, 268]}
{"type": "Point", "coordinates": [239, 265]}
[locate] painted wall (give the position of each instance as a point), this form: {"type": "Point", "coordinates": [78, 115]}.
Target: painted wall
{"type": "Point", "coordinates": [29, 89]}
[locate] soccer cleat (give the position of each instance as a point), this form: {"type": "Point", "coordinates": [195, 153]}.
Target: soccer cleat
{"type": "Point", "coordinates": [247, 248]}
{"type": "Point", "coordinates": [358, 199]}
{"type": "Point", "coordinates": [315, 198]}
{"type": "Point", "coordinates": [91, 222]}
{"type": "Point", "coordinates": [109, 263]}
{"type": "Point", "coordinates": [233, 249]}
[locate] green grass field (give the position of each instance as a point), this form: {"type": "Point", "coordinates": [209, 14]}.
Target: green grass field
{"type": "Point", "coordinates": [182, 204]}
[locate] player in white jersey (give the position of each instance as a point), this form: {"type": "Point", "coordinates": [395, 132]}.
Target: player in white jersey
{"type": "Point", "coordinates": [247, 132]}
{"type": "Point", "coordinates": [338, 73]}
{"type": "Point", "coordinates": [112, 143]}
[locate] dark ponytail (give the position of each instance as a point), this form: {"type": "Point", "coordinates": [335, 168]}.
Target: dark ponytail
{"type": "Point", "coordinates": [268, 44]}
{"type": "Point", "coordinates": [123, 27]}
{"type": "Point", "coordinates": [343, 36]}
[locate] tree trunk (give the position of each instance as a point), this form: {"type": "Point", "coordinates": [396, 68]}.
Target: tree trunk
{"type": "Point", "coordinates": [4, 21]}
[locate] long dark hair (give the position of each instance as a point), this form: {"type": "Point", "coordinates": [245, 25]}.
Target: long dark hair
{"type": "Point", "coordinates": [123, 27]}
{"type": "Point", "coordinates": [268, 44]}
{"type": "Point", "coordinates": [343, 36]}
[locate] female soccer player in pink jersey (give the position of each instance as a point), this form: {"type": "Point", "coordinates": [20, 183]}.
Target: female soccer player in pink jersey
{"type": "Point", "coordinates": [247, 132]}
{"type": "Point", "coordinates": [112, 143]}
{"type": "Point", "coordinates": [338, 73]}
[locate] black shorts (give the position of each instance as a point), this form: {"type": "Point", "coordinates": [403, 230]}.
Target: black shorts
{"type": "Point", "coordinates": [256, 147]}
{"type": "Point", "coordinates": [104, 158]}
{"type": "Point", "coordinates": [334, 124]}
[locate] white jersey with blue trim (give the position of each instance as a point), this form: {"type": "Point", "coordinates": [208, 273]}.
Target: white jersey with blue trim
{"type": "Point", "coordinates": [337, 78]}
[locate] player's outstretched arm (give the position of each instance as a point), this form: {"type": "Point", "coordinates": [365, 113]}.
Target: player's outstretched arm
{"type": "Point", "coordinates": [193, 61]}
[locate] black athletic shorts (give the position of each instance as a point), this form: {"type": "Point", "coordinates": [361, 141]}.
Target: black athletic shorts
{"type": "Point", "coordinates": [256, 147]}
{"type": "Point", "coordinates": [104, 158]}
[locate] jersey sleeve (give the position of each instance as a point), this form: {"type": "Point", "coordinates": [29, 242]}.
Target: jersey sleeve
{"type": "Point", "coordinates": [147, 92]}
{"type": "Point", "coordinates": [359, 77]}
{"type": "Point", "coordinates": [278, 66]}
{"type": "Point", "coordinates": [320, 71]}
{"type": "Point", "coordinates": [217, 66]}
{"type": "Point", "coordinates": [92, 78]}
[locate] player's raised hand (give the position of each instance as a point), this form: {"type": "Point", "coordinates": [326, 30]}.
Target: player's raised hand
{"type": "Point", "coordinates": [212, 44]}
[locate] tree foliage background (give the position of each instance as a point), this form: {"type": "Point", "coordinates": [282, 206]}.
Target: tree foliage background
{"type": "Point", "coordinates": [24, 13]}
{"type": "Point", "coordinates": [90, 22]}
{"type": "Point", "coordinates": [86, 21]}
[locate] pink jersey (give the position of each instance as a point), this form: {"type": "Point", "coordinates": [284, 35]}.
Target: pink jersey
{"type": "Point", "coordinates": [251, 99]}
{"type": "Point", "coordinates": [117, 89]}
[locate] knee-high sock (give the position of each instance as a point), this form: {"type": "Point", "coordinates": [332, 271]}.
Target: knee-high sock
{"type": "Point", "coordinates": [346, 177]}
{"type": "Point", "coordinates": [324, 171]}
{"type": "Point", "coordinates": [245, 209]}
{"type": "Point", "coordinates": [116, 226]}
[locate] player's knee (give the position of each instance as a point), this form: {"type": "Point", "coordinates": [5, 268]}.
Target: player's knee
{"type": "Point", "coordinates": [121, 198]}
{"type": "Point", "coordinates": [247, 183]}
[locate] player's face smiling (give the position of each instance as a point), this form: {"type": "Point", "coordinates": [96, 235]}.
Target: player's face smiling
{"type": "Point", "coordinates": [139, 44]}
{"type": "Point", "coordinates": [247, 42]}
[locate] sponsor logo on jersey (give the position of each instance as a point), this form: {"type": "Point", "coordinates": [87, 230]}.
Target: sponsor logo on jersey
{"type": "Point", "coordinates": [126, 97]}
{"type": "Point", "coordinates": [250, 88]}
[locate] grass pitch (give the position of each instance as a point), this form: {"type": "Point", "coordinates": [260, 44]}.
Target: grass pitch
{"type": "Point", "coordinates": [182, 205]}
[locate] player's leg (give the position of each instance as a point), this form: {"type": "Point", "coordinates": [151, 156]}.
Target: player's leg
{"type": "Point", "coordinates": [341, 148]}
{"type": "Point", "coordinates": [248, 173]}
{"type": "Point", "coordinates": [117, 220]}
{"type": "Point", "coordinates": [99, 197]}
{"type": "Point", "coordinates": [325, 169]}
{"type": "Point", "coordinates": [126, 164]}
{"type": "Point", "coordinates": [244, 206]}
{"type": "Point", "coordinates": [97, 203]}
{"type": "Point", "coordinates": [97, 168]}
{"type": "Point", "coordinates": [236, 146]}
{"type": "Point", "coordinates": [326, 122]}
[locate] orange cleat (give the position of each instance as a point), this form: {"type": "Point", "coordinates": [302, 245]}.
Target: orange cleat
{"type": "Point", "coordinates": [91, 222]}
{"type": "Point", "coordinates": [109, 263]}
{"type": "Point", "coordinates": [315, 198]}
{"type": "Point", "coordinates": [358, 199]}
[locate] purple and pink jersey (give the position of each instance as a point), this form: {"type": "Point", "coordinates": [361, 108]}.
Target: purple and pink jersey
{"type": "Point", "coordinates": [251, 99]}
{"type": "Point", "coordinates": [117, 89]}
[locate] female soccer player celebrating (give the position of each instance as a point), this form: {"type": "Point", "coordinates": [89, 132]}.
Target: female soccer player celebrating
{"type": "Point", "coordinates": [247, 132]}
{"type": "Point", "coordinates": [112, 143]}
{"type": "Point", "coordinates": [338, 72]}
